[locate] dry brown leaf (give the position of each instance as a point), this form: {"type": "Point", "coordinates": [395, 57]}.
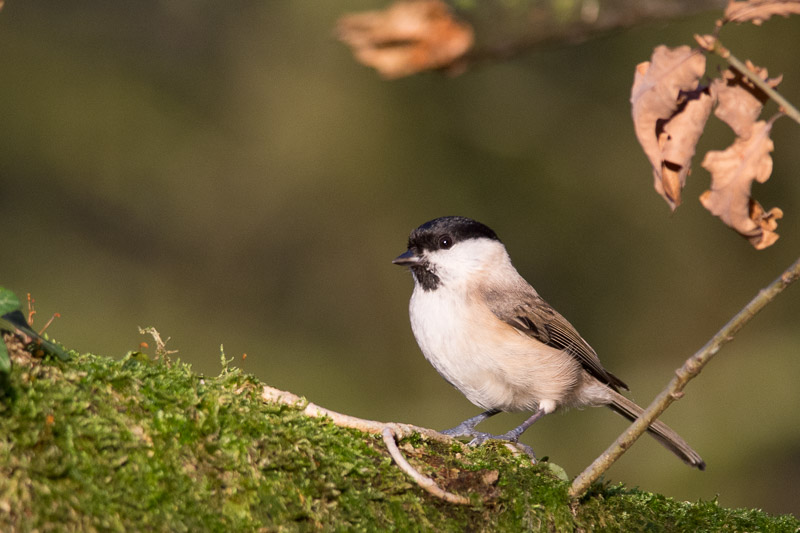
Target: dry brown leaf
{"type": "Point", "coordinates": [732, 173]}
{"type": "Point", "coordinates": [767, 221]}
{"type": "Point", "coordinates": [665, 90]}
{"type": "Point", "coordinates": [757, 11]}
{"type": "Point", "coordinates": [406, 38]}
{"type": "Point", "coordinates": [739, 101]}
{"type": "Point", "coordinates": [706, 41]}
{"type": "Point", "coordinates": [678, 141]}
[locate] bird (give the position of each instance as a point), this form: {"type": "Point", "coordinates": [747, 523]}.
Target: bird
{"type": "Point", "coordinates": [488, 333]}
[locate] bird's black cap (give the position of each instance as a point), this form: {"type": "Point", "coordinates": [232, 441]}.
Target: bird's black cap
{"type": "Point", "coordinates": [429, 235]}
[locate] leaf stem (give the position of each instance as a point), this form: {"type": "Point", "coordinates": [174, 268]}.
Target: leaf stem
{"type": "Point", "coordinates": [683, 375]}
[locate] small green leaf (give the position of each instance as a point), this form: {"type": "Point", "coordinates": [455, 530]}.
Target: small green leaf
{"type": "Point", "coordinates": [5, 361]}
{"type": "Point", "coordinates": [51, 347]}
{"type": "Point", "coordinates": [14, 321]}
{"type": "Point", "coordinates": [6, 298]}
{"type": "Point", "coordinates": [558, 471]}
{"type": "Point", "coordinates": [134, 358]}
{"type": "Point", "coordinates": [8, 301]}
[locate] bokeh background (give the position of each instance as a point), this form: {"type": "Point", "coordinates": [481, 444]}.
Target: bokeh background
{"type": "Point", "coordinates": [227, 173]}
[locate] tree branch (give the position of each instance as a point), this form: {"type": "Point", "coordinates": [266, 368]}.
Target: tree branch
{"type": "Point", "coordinates": [683, 375]}
{"type": "Point", "coordinates": [271, 394]}
{"type": "Point", "coordinates": [424, 482]}
{"type": "Point", "coordinates": [712, 44]}
{"type": "Point", "coordinates": [408, 37]}
{"type": "Point", "coordinates": [504, 29]}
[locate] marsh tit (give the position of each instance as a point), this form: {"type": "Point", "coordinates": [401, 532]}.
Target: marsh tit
{"type": "Point", "coordinates": [491, 335]}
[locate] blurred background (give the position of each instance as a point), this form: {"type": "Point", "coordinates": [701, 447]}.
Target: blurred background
{"type": "Point", "coordinates": [227, 173]}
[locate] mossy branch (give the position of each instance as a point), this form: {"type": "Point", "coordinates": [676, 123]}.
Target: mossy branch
{"type": "Point", "coordinates": [273, 395]}
{"type": "Point", "coordinates": [389, 431]}
{"type": "Point", "coordinates": [134, 445]}
{"type": "Point", "coordinates": [683, 375]}
{"type": "Point", "coordinates": [425, 482]}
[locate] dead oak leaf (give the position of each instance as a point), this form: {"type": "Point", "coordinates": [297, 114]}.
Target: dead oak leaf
{"type": "Point", "coordinates": [757, 11]}
{"type": "Point", "coordinates": [406, 38]}
{"type": "Point", "coordinates": [732, 173]}
{"type": "Point", "coordinates": [767, 221]}
{"type": "Point", "coordinates": [739, 101]}
{"type": "Point", "coordinates": [669, 112]}
{"type": "Point", "coordinates": [678, 140]}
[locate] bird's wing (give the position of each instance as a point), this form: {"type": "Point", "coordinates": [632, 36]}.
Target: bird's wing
{"type": "Point", "coordinates": [537, 319]}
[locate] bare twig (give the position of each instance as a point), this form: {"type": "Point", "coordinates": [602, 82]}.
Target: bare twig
{"type": "Point", "coordinates": [683, 375]}
{"type": "Point", "coordinates": [423, 481]}
{"type": "Point", "coordinates": [161, 345]}
{"type": "Point", "coordinates": [389, 431]}
{"type": "Point", "coordinates": [713, 44]}
{"type": "Point", "coordinates": [271, 394]}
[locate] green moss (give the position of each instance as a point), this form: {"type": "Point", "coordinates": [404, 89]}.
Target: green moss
{"type": "Point", "coordinates": [621, 509]}
{"type": "Point", "coordinates": [101, 445]}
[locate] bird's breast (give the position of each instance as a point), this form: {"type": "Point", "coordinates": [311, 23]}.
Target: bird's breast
{"type": "Point", "coordinates": [491, 363]}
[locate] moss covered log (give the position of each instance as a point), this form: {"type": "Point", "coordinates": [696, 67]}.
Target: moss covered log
{"type": "Point", "coordinates": [95, 444]}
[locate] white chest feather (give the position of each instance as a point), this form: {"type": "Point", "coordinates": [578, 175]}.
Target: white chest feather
{"type": "Point", "coordinates": [491, 363]}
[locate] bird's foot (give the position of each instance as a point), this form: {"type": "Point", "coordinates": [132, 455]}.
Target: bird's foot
{"type": "Point", "coordinates": [480, 437]}
{"type": "Point", "coordinates": [467, 427]}
{"type": "Point", "coordinates": [462, 430]}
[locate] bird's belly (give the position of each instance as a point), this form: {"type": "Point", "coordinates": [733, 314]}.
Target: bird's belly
{"type": "Point", "coordinates": [491, 363]}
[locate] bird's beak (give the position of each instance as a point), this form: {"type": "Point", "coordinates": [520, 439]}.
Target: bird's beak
{"type": "Point", "coordinates": [408, 258]}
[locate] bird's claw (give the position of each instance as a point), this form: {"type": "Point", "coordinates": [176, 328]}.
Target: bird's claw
{"type": "Point", "coordinates": [461, 430]}
{"type": "Point", "coordinates": [480, 437]}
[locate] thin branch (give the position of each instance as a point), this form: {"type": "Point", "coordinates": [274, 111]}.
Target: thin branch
{"type": "Point", "coordinates": [683, 375]}
{"type": "Point", "coordinates": [505, 29]}
{"type": "Point", "coordinates": [713, 44]}
{"type": "Point", "coordinates": [423, 481]}
{"type": "Point", "coordinates": [410, 37]}
{"type": "Point", "coordinates": [271, 394]}
{"type": "Point", "coordinates": [161, 345]}
{"type": "Point", "coordinates": [389, 431]}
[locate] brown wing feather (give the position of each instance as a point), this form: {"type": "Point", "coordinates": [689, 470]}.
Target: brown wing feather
{"type": "Point", "coordinates": [537, 319]}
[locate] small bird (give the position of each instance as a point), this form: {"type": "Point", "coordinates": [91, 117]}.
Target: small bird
{"type": "Point", "coordinates": [491, 335]}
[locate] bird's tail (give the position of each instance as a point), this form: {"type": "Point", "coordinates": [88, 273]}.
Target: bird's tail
{"type": "Point", "coordinates": [659, 430]}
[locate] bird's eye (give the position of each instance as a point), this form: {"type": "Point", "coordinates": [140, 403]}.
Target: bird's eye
{"type": "Point", "coordinates": [445, 242]}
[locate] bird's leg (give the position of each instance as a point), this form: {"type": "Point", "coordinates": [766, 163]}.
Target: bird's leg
{"type": "Point", "coordinates": [467, 427]}
{"type": "Point", "coordinates": [515, 433]}
{"type": "Point", "coordinates": [511, 436]}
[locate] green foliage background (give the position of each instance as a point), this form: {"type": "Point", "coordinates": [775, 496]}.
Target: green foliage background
{"type": "Point", "coordinates": [226, 172]}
